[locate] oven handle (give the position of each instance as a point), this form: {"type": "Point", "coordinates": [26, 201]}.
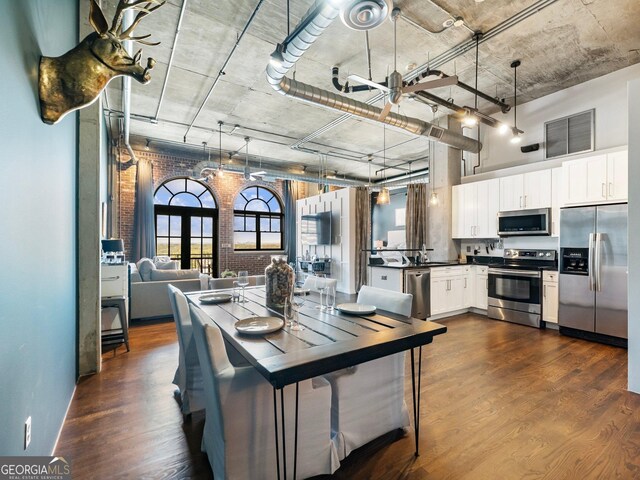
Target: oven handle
{"type": "Point", "coordinates": [513, 273]}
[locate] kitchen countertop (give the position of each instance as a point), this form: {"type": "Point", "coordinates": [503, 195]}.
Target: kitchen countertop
{"type": "Point", "coordinates": [413, 266]}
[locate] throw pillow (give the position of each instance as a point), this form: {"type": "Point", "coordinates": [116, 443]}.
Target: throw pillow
{"type": "Point", "coordinates": [163, 275]}
{"type": "Point", "coordinates": [145, 267]}
{"type": "Point", "coordinates": [172, 265]}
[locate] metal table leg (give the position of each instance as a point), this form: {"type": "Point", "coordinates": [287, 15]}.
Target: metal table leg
{"type": "Point", "coordinates": [416, 398]}
{"type": "Point", "coordinates": [284, 442]}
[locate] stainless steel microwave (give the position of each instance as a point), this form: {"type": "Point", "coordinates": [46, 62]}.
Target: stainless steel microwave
{"type": "Point", "coordinates": [524, 222]}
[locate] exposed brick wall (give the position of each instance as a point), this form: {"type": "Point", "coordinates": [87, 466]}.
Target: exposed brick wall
{"type": "Point", "coordinates": [225, 189]}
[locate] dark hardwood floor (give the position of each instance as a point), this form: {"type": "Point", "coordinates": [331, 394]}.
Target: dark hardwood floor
{"type": "Point", "coordinates": [499, 401]}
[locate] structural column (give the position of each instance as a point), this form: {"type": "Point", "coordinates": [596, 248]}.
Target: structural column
{"type": "Point", "coordinates": [89, 145]}
{"type": "Point", "coordinates": [444, 172]}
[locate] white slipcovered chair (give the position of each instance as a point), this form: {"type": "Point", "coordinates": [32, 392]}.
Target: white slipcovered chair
{"type": "Point", "coordinates": [318, 283]}
{"type": "Point", "coordinates": [188, 377]}
{"type": "Point", "coordinates": [368, 400]}
{"type": "Point", "coordinates": [239, 430]}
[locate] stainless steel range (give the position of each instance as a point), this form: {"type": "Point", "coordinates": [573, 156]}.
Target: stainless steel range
{"type": "Point", "coordinates": [515, 285]}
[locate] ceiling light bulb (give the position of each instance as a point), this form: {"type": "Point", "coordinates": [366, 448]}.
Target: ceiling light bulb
{"type": "Point", "coordinates": [220, 171]}
{"type": "Point", "coordinates": [458, 22]}
{"type": "Point", "coordinates": [383, 197]}
{"type": "Point", "coordinates": [516, 138]}
{"type": "Point", "coordinates": [433, 199]}
{"type": "Point", "coordinates": [470, 120]}
{"type": "Point", "coordinates": [503, 129]}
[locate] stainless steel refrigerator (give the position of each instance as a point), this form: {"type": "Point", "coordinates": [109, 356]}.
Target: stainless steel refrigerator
{"type": "Point", "coordinates": [593, 271]}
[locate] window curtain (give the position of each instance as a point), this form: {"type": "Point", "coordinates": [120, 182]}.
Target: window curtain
{"type": "Point", "coordinates": [363, 234]}
{"type": "Point", "coordinates": [144, 235]}
{"type": "Point", "coordinates": [291, 193]}
{"type": "Point", "coordinates": [416, 215]}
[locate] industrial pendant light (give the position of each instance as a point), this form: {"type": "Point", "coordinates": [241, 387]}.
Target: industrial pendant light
{"type": "Point", "coordinates": [220, 166]}
{"type": "Point", "coordinates": [516, 134]}
{"type": "Point", "coordinates": [470, 120]}
{"type": "Point", "coordinates": [433, 198]}
{"type": "Point", "coordinates": [384, 198]}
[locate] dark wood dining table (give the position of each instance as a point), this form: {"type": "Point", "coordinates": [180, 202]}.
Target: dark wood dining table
{"type": "Point", "coordinates": [330, 341]}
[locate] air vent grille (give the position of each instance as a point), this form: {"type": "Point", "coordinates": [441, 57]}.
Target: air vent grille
{"type": "Point", "coordinates": [436, 132]}
{"type": "Point", "coordinates": [569, 135]}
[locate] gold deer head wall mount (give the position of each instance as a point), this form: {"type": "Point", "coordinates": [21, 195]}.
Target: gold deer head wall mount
{"type": "Point", "coordinates": [75, 79]}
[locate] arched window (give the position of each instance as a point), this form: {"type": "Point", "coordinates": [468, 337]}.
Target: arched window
{"type": "Point", "coordinates": [257, 220]}
{"type": "Point", "coordinates": [187, 224]}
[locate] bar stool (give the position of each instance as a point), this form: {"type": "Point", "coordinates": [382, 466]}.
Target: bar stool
{"type": "Point", "coordinates": [116, 336]}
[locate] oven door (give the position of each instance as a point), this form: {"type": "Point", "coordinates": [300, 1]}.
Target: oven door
{"type": "Point", "coordinates": [515, 289]}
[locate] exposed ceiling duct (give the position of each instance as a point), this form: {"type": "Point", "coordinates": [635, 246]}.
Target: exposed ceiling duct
{"type": "Point", "coordinates": [315, 22]}
{"type": "Point", "coordinates": [206, 167]}
{"type": "Point", "coordinates": [365, 14]}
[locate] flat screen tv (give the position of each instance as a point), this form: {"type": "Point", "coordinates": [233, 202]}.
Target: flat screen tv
{"type": "Point", "coordinates": [315, 229]}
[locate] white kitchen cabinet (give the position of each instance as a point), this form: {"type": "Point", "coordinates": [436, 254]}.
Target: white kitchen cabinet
{"type": "Point", "coordinates": [481, 284]}
{"type": "Point", "coordinates": [556, 200]}
{"type": "Point", "coordinates": [475, 209]}
{"type": "Point", "coordinates": [596, 179]}
{"type": "Point", "coordinates": [525, 191]}
{"type": "Point", "coordinates": [550, 297]}
{"type": "Point", "coordinates": [617, 176]}
{"type": "Point", "coordinates": [447, 290]}
{"type": "Point", "coordinates": [468, 287]}
{"type": "Point", "coordinates": [388, 278]}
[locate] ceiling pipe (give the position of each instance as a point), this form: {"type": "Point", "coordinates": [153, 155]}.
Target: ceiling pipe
{"type": "Point", "coordinates": [170, 64]}
{"type": "Point", "coordinates": [201, 168]}
{"type": "Point", "coordinates": [318, 18]}
{"type": "Point", "coordinates": [127, 20]}
{"type": "Point", "coordinates": [441, 60]}
{"type": "Point", "coordinates": [224, 65]}
{"type": "Point", "coordinates": [504, 107]}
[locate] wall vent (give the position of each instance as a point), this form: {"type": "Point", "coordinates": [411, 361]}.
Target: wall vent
{"type": "Point", "coordinates": [569, 135]}
{"type": "Point", "coordinates": [436, 132]}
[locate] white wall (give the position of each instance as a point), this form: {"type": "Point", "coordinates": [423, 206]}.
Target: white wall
{"type": "Point", "coordinates": [607, 94]}
{"type": "Point", "coordinates": [341, 204]}
{"type": "Point", "coordinates": [634, 239]}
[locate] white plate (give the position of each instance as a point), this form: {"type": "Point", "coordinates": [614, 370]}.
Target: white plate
{"type": "Point", "coordinates": [301, 291]}
{"type": "Point", "coordinates": [213, 298]}
{"type": "Point", "coordinates": [356, 308]}
{"type": "Point", "coordinates": [259, 325]}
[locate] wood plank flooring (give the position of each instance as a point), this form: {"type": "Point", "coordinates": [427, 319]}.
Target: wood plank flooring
{"type": "Point", "coordinates": [499, 401]}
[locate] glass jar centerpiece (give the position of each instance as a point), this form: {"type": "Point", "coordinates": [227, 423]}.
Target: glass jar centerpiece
{"type": "Point", "coordinates": [278, 281]}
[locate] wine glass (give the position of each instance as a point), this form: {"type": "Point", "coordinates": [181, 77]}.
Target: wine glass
{"type": "Point", "coordinates": [330, 297]}
{"type": "Point", "coordinates": [289, 312]}
{"type": "Point", "coordinates": [243, 281]}
{"type": "Point", "coordinates": [297, 301]}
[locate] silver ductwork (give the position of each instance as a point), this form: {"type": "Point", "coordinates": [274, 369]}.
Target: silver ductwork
{"type": "Point", "coordinates": [315, 22]}
{"type": "Point", "coordinates": [203, 168]}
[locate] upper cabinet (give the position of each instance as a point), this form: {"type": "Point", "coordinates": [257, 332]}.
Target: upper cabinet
{"type": "Point", "coordinates": [475, 209]}
{"type": "Point", "coordinates": [525, 191]}
{"type": "Point", "coordinates": [596, 179]}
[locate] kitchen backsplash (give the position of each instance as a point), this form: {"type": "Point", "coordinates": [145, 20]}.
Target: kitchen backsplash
{"type": "Point", "coordinates": [495, 247]}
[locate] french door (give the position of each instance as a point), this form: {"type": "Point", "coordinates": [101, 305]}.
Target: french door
{"type": "Point", "coordinates": [188, 235]}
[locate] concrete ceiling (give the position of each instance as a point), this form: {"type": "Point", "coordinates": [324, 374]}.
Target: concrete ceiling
{"type": "Point", "coordinates": [566, 43]}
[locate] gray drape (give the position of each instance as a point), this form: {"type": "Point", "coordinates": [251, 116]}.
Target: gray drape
{"type": "Point", "coordinates": [416, 215]}
{"type": "Point", "coordinates": [363, 235]}
{"type": "Point", "coordinates": [144, 235]}
{"type": "Point", "coordinates": [290, 193]}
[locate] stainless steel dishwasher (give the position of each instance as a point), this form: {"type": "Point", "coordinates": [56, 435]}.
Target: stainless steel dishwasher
{"type": "Point", "coordinates": [417, 283]}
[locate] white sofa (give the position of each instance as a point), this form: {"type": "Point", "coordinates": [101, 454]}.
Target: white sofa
{"type": "Point", "coordinates": [149, 292]}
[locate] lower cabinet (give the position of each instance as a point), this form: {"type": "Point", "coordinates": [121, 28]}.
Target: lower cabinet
{"type": "Point", "coordinates": [481, 287]}
{"type": "Point", "coordinates": [447, 290]}
{"type": "Point", "coordinates": [550, 297]}
{"type": "Point", "coordinates": [469, 287]}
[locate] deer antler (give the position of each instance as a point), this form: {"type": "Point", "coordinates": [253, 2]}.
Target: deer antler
{"type": "Point", "coordinates": [126, 5]}
{"type": "Point", "coordinates": [144, 11]}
